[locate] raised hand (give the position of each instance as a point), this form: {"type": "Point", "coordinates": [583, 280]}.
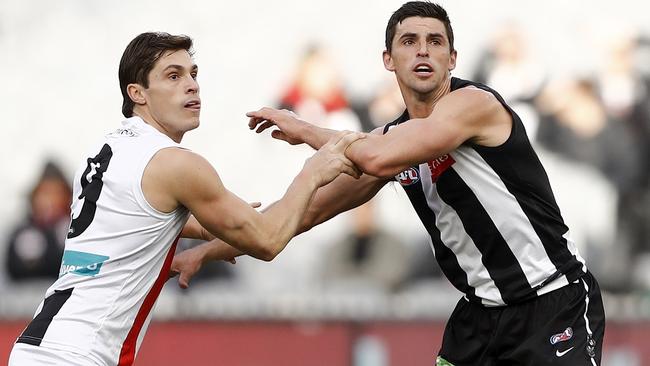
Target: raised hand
{"type": "Point", "coordinates": [290, 127]}
{"type": "Point", "coordinates": [330, 161]}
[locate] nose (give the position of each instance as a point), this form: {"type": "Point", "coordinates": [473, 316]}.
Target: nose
{"type": "Point", "coordinates": [192, 86]}
{"type": "Point", "coordinates": [423, 49]}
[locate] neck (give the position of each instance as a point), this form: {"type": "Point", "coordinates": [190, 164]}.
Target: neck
{"type": "Point", "coordinates": [420, 105]}
{"type": "Point", "coordinates": [148, 119]}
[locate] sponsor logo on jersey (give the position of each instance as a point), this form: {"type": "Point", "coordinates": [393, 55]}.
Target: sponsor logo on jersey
{"type": "Point", "coordinates": [559, 353]}
{"type": "Point", "coordinates": [81, 263]}
{"type": "Point", "coordinates": [561, 337]}
{"type": "Point", "coordinates": [124, 132]}
{"type": "Point", "coordinates": [408, 177]}
{"type": "Point", "coordinates": [439, 165]}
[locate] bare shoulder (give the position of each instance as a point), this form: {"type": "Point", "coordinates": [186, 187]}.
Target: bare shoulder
{"type": "Point", "coordinates": [172, 172]}
{"type": "Point", "coordinates": [480, 111]}
{"type": "Point", "coordinates": [176, 158]}
{"type": "Point", "coordinates": [473, 100]}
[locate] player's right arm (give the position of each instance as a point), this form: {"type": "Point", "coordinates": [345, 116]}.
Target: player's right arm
{"type": "Point", "coordinates": [343, 194]}
{"type": "Point", "coordinates": [187, 179]}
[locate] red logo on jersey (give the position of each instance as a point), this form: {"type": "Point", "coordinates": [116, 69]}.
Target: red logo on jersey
{"type": "Point", "coordinates": [408, 177]}
{"type": "Point", "coordinates": [561, 337]}
{"type": "Point", "coordinates": [439, 165]}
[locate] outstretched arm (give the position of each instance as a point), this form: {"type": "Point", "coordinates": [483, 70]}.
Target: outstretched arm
{"type": "Point", "coordinates": [468, 114]}
{"type": "Point", "coordinates": [192, 182]}
{"type": "Point", "coordinates": [343, 194]}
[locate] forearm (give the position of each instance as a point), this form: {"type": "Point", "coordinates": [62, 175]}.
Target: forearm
{"type": "Point", "coordinates": [315, 136]}
{"type": "Point", "coordinates": [385, 156]}
{"type": "Point", "coordinates": [283, 219]}
{"type": "Point", "coordinates": [194, 230]}
{"type": "Point", "coordinates": [218, 250]}
{"type": "Point", "coordinates": [375, 155]}
{"type": "Point", "coordinates": [260, 235]}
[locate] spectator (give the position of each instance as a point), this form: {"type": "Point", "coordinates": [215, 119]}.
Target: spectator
{"type": "Point", "coordinates": [509, 66]}
{"type": "Point", "coordinates": [575, 125]}
{"type": "Point", "coordinates": [317, 93]}
{"type": "Point", "coordinates": [36, 244]}
{"type": "Point", "coordinates": [367, 256]}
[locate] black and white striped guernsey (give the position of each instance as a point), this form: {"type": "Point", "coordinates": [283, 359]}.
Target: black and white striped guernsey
{"type": "Point", "coordinates": [495, 227]}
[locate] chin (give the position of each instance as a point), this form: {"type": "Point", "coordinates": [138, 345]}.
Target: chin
{"type": "Point", "coordinates": [194, 124]}
{"type": "Point", "coordinates": [424, 89]}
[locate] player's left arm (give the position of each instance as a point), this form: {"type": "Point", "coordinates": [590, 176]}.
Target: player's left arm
{"type": "Point", "coordinates": [194, 230]}
{"type": "Point", "coordinates": [468, 114]}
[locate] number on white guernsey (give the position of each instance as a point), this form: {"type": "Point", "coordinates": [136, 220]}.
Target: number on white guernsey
{"type": "Point", "coordinates": [91, 187]}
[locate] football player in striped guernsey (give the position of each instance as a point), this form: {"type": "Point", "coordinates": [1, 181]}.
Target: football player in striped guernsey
{"type": "Point", "coordinates": [463, 157]}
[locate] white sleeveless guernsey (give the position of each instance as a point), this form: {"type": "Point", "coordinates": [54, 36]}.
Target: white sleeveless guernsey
{"type": "Point", "coordinates": [117, 254]}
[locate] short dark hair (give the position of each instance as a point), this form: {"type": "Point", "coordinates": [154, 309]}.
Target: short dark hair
{"type": "Point", "coordinates": [423, 9]}
{"type": "Point", "coordinates": [141, 55]}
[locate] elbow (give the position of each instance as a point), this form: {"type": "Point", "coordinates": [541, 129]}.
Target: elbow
{"type": "Point", "coordinates": [267, 254]}
{"type": "Point", "coordinates": [376, 165]}
{"type": "Point", "coordinates": [266, 250]}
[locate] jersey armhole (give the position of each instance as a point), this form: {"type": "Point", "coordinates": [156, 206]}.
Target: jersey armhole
{"type": "Point", "coordinates": [514, 128]}
{"type": "Point", "coordinates": [138, 193]}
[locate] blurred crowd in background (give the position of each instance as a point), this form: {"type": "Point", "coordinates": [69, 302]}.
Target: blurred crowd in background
{"type": "Point", "coordinates": [592, 131]}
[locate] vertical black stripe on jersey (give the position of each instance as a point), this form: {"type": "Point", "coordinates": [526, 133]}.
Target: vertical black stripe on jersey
{"type": "Point", "coordinates": [516, 161]}
{"type": "Point", "coordinates": [446, 258]}
{"type": "Point", "coordinates": [35, 331]}
{"type": "Point", "coordinates": [497, 257]}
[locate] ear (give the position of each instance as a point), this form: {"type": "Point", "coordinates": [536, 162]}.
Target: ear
{"type": "Point", "coordinates": [136, 93]}
{"type": "Point", "coordinates": [452, 60]}
{"type": "Point", "coordinates": [388, 61]}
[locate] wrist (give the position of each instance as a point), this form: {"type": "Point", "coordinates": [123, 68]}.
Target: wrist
{"type": "Point", "coordinates": [312, 136]}
{"type": "Point", "coordinates": [206, 252]}
{"type": "Point", "coordinates": [308, 179]}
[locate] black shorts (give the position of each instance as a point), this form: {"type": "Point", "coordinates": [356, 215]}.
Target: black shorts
{"type": "Point", "coordinates": [563, 327]}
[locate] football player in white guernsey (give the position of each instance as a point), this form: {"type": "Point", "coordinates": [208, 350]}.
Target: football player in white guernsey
{"type": "Point", "coordinates": [463, 158]}
{"type": "Point", "coordinates": [135, 194]}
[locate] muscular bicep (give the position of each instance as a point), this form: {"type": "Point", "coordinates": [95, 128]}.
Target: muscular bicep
{"type": "Point", "coordinates": [463, 115]}
{"type": "Point", "coordinates": [197, 186]}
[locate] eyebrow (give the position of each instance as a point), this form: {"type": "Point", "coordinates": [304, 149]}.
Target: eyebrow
{"type": "Point", "coordinates": [180, 67]}
{"type": "Point", "coordinates": [429, 35]}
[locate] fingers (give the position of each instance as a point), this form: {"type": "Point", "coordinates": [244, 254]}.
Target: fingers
{"type": "Point", "coordinates": [254, 121]}
{"type": "Point", "coordinates": [344, 139]}
{"type": "Point", "coordinates": [266, 124]}
{"type": "Point", "coordinates": [350, 168]}
{"type": "Point", "coordinates": [257, 117]}
{"type": "Point", "coordinates": [184, 281]}
{"type": "Point", "coordinates": [173, 273]}
{"type": "Point", "coordinates": [279, 135]}
{"type": "Point", "coordinates": [336, 138]}
{"type": "Point", "coordinates": [351, 171]}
